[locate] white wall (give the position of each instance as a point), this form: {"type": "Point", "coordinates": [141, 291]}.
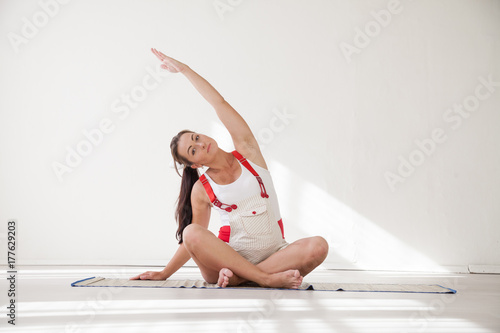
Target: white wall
{"type": "Point", "coordinates": [354, 111]}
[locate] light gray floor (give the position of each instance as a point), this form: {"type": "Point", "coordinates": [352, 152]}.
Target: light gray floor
{"type": "Point", "coordinates": [47, 303]}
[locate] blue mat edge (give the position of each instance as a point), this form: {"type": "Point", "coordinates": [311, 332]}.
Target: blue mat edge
{"type": "Point", "coordinates": [311, 287]}
{"type": "Point", "coordinates": [73, 284]}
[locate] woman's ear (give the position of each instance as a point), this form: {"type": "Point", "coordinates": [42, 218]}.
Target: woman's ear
{"type": "Point", "coordinates": [196, 166]}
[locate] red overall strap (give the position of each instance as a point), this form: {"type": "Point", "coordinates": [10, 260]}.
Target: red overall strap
{"type": "Point", "coordinates": [247, 165]}
{"type": "Point", "coordinates": [208, 188]}
{"type": "Point", "coordinates": [213, 198]}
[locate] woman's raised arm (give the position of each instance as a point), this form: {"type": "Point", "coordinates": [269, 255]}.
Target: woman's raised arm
{"type": "Point", "coordinates": [243, 138]}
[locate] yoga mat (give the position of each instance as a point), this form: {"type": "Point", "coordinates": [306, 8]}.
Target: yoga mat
{"type": "Point", "coordinates": [318, 286]}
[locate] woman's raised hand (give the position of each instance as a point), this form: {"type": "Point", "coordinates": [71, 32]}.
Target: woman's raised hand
{"type": "Point", "coordinates": [170, 64]}
{"type": "Point", "coordinates": [150, 275]}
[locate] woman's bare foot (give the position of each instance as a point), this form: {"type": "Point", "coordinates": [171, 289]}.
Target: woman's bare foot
{"type": "Point", "coordinates": [228, 278]}
{"type": "Point", "coordinates": [289, 280]}
{"type": "Point", "coordinates": [224, 276]}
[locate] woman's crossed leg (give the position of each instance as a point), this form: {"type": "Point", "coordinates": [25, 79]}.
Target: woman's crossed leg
{"type": "Point", "coordinates": [221, 264]}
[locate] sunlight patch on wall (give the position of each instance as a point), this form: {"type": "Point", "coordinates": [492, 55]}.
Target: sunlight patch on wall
{"type": "Point", "coordinates": [355, 241]}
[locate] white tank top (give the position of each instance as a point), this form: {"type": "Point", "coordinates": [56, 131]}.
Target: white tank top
{"type": "Point", "coordinates": [242, 188]}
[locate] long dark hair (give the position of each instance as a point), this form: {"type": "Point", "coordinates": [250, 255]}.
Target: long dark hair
{"type": "Point", "coordinates": [184, 210]}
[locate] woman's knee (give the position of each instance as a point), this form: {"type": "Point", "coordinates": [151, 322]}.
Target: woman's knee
{"type": "Point", "coordinates": [318, 248]}
{"type": "Point", "coordinates": [192, 234]}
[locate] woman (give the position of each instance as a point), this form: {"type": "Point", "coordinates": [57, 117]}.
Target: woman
{"type": "Point", "coordinates": [251, 245]}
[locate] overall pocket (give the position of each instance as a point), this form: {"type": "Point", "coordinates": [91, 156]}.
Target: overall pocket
{"type": "Point", "coordinates": [256, 221]}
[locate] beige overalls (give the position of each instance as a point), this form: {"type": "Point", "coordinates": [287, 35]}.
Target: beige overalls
{"type": "Point", "coordinates": [254, 231]}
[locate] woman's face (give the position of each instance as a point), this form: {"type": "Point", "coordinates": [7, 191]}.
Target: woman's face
{"type": "Point", "coordinates": [197, 148]}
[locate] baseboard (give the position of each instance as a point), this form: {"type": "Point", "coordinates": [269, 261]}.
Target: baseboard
{"type": "Point", "coordinates": [460, 269]}
{"type": "Point", "coordinates": [484, 269]}
{"type": "Point", "coordinates": [463, 269]}
{"type": "Point", "coordinates": [144, 263]}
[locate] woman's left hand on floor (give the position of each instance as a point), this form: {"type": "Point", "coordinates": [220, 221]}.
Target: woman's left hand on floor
{"type": "Point", "coordinates": [150, 275]}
